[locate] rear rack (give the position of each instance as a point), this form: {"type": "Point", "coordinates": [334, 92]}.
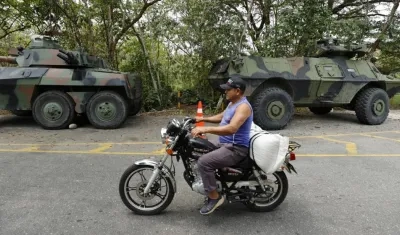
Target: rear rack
{"type": "Point", "coordinates": [293, 145]}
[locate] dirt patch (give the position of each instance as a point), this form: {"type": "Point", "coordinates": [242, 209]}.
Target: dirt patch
{"type": "Point", "coordinates": [184, 110]}
{"type": "Point", "coordinates": [5, 112]}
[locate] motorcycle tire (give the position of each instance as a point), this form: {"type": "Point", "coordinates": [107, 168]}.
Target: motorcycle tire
{"type": "Point", "coordinates": [278, 198]}
{"type": "Point", "coordinates": [127, 199]}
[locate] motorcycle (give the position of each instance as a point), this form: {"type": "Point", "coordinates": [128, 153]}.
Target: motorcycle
{"type": "Point", "coordinates": [244, 182]}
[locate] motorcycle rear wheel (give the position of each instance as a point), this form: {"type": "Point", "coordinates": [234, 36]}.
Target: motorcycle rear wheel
{"type": "Point", "coordinates": [266, 205]}
{"type": "Point", "coordinates": [141, 208]}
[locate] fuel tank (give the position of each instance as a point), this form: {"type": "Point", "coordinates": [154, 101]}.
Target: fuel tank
{"type": "Point", "coordinates": [199, 146]}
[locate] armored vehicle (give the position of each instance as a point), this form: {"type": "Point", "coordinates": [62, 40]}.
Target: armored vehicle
{"type": "Point", "coordinates": [55, 85]}
{"type": "Point", "coordinates": [334, 77]}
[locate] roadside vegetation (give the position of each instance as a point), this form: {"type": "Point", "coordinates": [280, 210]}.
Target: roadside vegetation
{"type": "Point", "coordinates": [172, 43]}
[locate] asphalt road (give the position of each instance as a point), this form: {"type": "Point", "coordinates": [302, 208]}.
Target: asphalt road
{"type": "Point", "coordinates": [67, 182]}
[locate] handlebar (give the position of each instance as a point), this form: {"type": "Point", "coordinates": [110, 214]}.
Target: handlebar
{"type": "Point", "coordinates": [187, 121]}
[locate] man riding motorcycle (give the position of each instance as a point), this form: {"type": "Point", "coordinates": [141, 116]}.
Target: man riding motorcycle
{"type": "Point", "coordinates": [234, 136]}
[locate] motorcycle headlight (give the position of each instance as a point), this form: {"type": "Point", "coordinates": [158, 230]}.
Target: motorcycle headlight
{"type": "Point", "coordinates": [163, 135]}
{"type": "Point", "coordinates": [173, 127]}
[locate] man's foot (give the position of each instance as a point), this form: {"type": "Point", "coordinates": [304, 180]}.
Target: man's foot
{"type": "Point", "coordinates": [211, 205]}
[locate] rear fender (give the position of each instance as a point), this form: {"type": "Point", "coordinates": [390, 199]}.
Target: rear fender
{"type": "Point", "coordinates": [165, 170]}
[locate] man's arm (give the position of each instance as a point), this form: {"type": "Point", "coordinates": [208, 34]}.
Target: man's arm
{"type": "Point", "coordinates": [213, 119]}
{"type": "Point", "coordinates": [242, 112]}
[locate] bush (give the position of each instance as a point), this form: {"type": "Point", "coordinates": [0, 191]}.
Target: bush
{"type": "Point", "coordinates": [395, 102]}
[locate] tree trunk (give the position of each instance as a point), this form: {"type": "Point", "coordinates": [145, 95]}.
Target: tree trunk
{"type": "Point", "coordinates": [91, 46]}
{"type": "Point", "coordinates": [149, 66]}
{"type": "Point", "coordinates": [385, 27]}
{"type": "Point", "coordinates": [157, 73]}
{"type": "Point", "coordinates": [111, 44]}
{"type": "Point", "coordinates": [111, 54]}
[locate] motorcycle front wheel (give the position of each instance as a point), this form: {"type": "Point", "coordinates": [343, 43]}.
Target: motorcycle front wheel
{"type": "Point", "coordinates": [265, 202]}
{"type": "Point", "coordinates": [132, 193]}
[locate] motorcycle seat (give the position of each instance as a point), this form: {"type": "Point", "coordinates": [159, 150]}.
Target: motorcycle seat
{"type": "Point", "coordinates": [240, 166]}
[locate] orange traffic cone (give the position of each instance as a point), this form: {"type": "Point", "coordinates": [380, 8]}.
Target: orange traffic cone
{"type": "Point", "coordinates": [200, 114]}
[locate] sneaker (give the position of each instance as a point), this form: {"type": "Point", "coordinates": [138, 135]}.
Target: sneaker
{"type": "Point", "coordinates": [211, 205]}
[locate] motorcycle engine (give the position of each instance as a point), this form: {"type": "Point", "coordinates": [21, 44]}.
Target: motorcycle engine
{"type": "Point", "coordinates": [197, 185]}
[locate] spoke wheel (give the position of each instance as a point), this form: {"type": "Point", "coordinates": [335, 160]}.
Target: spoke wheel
{"type": "Point", "coordinates": [131, 189]}
{"type": "Point", "coordinates": [276, 191]}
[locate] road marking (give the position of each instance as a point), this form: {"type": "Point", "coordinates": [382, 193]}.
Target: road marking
{"type": "Point", "coordinates": [67, 144]}
{"type": "Point", "coordinates": [380, 137]}
{"type": "Point", "coordinates": [159, 153]}
{"type": "Point", "coordinates": [391, 115]}
{"type": "Point", "coordinates": [77, 152]}
{"type": "Point", "coordinates": [350, 146]}
{"type": "Point", "coordinates": [159, 143]}
{"type": "Point", "coordinates": [349, 155]}
{"type": "Point", "coordinates": [344, 134]}
{"type": "Point", "coordinates": [31, 148]}
{"type": "Point", "coordinates": [101, 148]}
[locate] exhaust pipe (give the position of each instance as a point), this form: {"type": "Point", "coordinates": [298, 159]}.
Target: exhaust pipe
{"type": "Point", "coordinates": [246, 184]}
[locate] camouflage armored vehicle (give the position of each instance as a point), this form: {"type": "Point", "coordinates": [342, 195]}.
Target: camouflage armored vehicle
{"type": "Point", "coordinates": [55, 85]}
{"type": "Point", "coordinates": [331, 78]}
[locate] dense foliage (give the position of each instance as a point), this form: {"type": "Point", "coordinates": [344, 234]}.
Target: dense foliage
{"type": "Point", "coordinates": [172, 43]}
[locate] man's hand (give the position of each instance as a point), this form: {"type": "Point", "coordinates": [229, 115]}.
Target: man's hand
{"type": "Point", "coordinates": [199, 119]}
{"type": "Point", "coordinates": [199, 130]}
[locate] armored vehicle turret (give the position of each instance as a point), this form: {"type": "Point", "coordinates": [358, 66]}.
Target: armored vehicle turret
{"type": "Point", "coordinates": [54, 85]}
{"type": "Point", "coordinates": [331, 48]}
{"type": "Point", "coordinates": [336, 76]}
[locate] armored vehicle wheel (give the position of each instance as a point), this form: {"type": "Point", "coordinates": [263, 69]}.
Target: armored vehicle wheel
{"type": "Point", "coordinates": [21, 113]}
{"type": "Point", "coordinates": [273, 108]}
{"type": "Point", "coordinates": [53, 110]}
{"type": "Point", "coordinates": [107, 110]}
{"type": "Point", "coordinates": [320, 110]}
{"type": "Point", "coordinates": [372, 106]}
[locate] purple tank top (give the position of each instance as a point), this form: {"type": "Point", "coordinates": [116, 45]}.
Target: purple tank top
{"type": "Point", "coordinates": [242, 136]}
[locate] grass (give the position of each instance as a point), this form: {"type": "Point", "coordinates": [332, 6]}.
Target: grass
{"type": "Point", "coordinates": [395, 102]}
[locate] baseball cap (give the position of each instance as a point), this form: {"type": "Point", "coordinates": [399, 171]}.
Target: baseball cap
{"type": "Point", "coordinates": [234, 82]}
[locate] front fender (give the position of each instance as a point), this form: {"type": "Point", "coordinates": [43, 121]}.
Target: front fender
{"type": "Point", "coordinates": [165, 170]}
